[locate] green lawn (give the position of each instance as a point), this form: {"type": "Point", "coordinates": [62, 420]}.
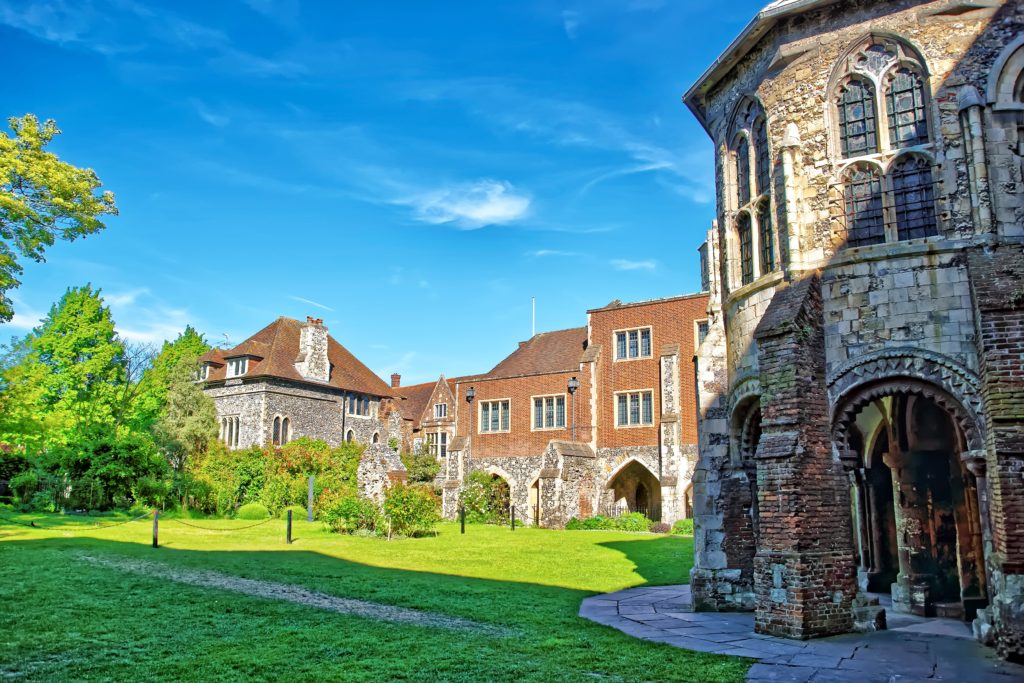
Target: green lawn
{"type": "Point", "coordinates": [64, 619]}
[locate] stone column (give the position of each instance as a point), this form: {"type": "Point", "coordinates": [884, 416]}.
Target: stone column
{"type": "Point", "coordinates": [911, 592]}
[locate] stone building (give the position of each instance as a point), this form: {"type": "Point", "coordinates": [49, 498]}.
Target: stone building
{"type": "Point", "coordinates": [590, 420]}
{"type": "Point", "coordinates": [293, 379]}
{"type": "Point", "coordinates": [861, 385]}
{"type": "Point", "coordinates": [428, 415]}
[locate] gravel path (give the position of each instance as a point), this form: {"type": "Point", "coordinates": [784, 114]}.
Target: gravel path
{"type": "Point", "coordinates": [272, 590]}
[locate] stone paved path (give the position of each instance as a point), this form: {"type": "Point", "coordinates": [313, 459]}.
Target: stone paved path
{"type": "Point", "coordinates": [913, 649]}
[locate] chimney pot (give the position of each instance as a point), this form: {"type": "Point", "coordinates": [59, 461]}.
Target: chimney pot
{"type": "Point", "coordinates": [396, 380]}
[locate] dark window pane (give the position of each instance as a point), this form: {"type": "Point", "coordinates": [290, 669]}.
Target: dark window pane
{"type": "Point", "coordinates": [913, 199]}
{"type": "Point", "coordinates": [743, 171]}
{"type": "Point", "coordinates": [746, 247]}
{"type": "Point", "coordinates": [863, 199]}
{"type": "Point", "coordinates": [857, 119]}
{"type": "Point", "coordinates": [763, 156]}
{"type": "Point", "coordinates": [767, 235]}
{"type": "Point", "coordinates": [905, 100]}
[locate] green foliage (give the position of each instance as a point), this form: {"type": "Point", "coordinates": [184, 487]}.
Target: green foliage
{"type": "Point", "coordinates": [253, 511]}
{"type": "Point", "coordinates": [393, 443]}
{"type": "Point", "coordinates": [683, 527]}
{"type": "Point", "coordinates": [350, 514]}
{"type": "Point", "coordinates": [188, 419]}
{"type": "Point", "coordinates": [41, 199]}
{"type": "Point", "coordinates": [485, 498]}
{"type": "Point", "coordinates": [170, 370]}
{"type": "Point", "coordinates": [105, 471]}
{"type": "Point", "coordinates": [421, 465]}
{"type": "Point", "coordinates": [633, 521]}
{"type": "Point", "coordinates": [298, 512]}
{"type": "Point", "coordinates": [25, 485]}
{"type": "Point", "coordinates": [411, 510]}
{"type": "Point", "coordinates": [12, 463]}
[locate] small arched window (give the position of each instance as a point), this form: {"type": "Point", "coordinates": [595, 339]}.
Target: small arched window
{"type": "Point", "coordinates": [913, 198]}
{"type": "Point", "coordinates": [286, 430]}
{"type": "Point", "coordinates": [742, 171]}
{"type": "Point", "coordinates": [746, 237]}
{"type": "Point", "coordinates": [862, 197]}
{"type": "Point", "coordinates": [376, 438]}
{"type": "Point", "coordinates": [350, 437]}
{"type": "Point", "coordinates": [767, 236]}
{"type": "Point", "coordinates": [276, 439]}
{"type": "Point", "coordinates": [762, 156]}
{"type": "Point", "coordinates": [858, 132]}
{"type": "Point", "coordinates": [904, 100]}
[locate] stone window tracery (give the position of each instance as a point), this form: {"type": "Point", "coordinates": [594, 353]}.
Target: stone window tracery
{"type": "Point", "coordinates": [767, 235]}
{"type": "Point", "coordinates": [884, 79]}
{"type": "Point", "coordinates": [745, 232]}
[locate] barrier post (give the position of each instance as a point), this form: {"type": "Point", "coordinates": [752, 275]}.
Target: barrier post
{"type": "Point", "coordinates": [462, 518]}
{"type": "Point", "coordinates": [513, 518]}
{"type": "Point", "coordinates": [309, 501]}
{"type": "Point", "coordinates": [156, 528]}
{"type": "Point", "coordinates": [289, 539]}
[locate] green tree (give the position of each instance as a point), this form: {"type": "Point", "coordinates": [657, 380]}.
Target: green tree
{"type": "Point", "coordinates": [41, 199]}
{"type": "Point", "coordinates": [188, 421]}
{"type": "Point", "coordinates": [155, 385]}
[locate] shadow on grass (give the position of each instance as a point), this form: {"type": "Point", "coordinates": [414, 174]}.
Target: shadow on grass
{"type": "Point", "coordinates": [662, 562]}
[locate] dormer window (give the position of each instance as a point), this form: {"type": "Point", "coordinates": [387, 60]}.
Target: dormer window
{"type": "Point", "coordinates": [238, 367]}
{"type": "Point", "coordinates": [202, 372]}
{"type": "Point", "coordinates": [440, 411]}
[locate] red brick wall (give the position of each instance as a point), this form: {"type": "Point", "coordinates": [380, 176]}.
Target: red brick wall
{"type": "Point", "coordinates": [671, 322]}
{"type": "Point", "coordinates": [521, 439]}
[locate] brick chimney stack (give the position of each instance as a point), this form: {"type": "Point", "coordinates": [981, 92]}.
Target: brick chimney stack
{"type": "Point", "coordinates": [396, 380]}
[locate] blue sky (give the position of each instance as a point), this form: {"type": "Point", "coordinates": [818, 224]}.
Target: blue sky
{"type": "Point", "coordinates": [411, 172]}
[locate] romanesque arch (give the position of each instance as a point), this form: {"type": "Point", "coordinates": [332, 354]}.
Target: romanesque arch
{"type": "Point", "coordinates": [902, 434]}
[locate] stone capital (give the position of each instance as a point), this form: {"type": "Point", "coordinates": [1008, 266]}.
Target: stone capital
{"type": "Point", "coordinates": [974, 461]}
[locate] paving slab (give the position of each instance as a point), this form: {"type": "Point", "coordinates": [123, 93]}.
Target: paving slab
{"type": "Point", "coordinates": [916, 650]}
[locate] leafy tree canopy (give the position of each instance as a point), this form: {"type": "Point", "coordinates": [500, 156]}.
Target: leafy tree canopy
{"type": "Point", "coordinates": [158, 378]}
{"type": "Point", "coordinates": [41, 199]}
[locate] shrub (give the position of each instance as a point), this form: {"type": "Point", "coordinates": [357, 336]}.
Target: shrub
{"type": "Point", "coordinates": [298, 512]}
{"type": "Point", "coordinates": [422, 466]}
{"type": "Point", "coordinates": [684, 527]}
{"type": "Point", "coordinates": [253, 511]}
{"type": "Point", "coordinates": [633, 521]}
{"type": "Point", "coordinates": [350, 514]}
{"type": "Point", "coordinates": [485, 498]}
{"type": "Point", "coordinates": [25, 484]}
{"type": "Point", "coordinates": [660, 528]}
{"type": "Point", "coordinates": [412, 510]}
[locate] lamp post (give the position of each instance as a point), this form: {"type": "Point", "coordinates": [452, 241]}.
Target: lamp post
{"type": "Point", "coordinates": [574, 384]}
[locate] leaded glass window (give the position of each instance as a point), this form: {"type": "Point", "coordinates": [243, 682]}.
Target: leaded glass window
{"type": "Point", "coordinates": [746, 247]}
{"type": "Point", "coordinates": [913, 199]}
{"type": "Point", "coordinates": [763, 156]}
{"type": "Point", "coordinates": [904, 100]}
{"type": "Point", "coordinates": [742, 170]}
{"type": "Point", "coordinates": [767, 235]}
{"type": "Point", "coordinates": [276, 440]}
{"type": "Point", "coordinates": [857, 125]}
{"type": "Point", "coordinates": [862, 193]}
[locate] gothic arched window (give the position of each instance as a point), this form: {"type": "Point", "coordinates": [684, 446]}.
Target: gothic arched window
{"type": "Point", "coordinates": [762, 156]}
{"type": "Point", "coordinates": [286, 430]}
{"type": "Point", "coordinates": [913, 198]}
{"type": "Point", "coordinates": [742, 171]}
{"type": "Point", "coordinates": [766, 236]}
{"type": "Point", "coordinates": [858, 134]}
{"type": "Point", "coordinates": [862, 195]}
{"type": "Point", "coordinates": [276, 439]}
{"type": "Point", "coordinates": [745, 234]}
{"type": "Point", "coordinates": [904, 103]}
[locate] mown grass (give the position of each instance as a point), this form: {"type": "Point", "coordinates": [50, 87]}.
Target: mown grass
{"type": "Point", "coordinates": [63, 619]}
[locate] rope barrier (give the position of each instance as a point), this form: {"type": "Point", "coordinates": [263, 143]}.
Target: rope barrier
{"type": "Point", "coordinates": [63, 527]}
{"type": "Point", "coordinates": [206, 528]}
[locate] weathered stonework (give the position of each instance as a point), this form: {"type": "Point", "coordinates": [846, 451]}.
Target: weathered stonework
{"type": "Point", "coordinates": [870, 432]}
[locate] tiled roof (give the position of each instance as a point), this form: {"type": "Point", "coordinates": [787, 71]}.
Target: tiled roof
{"type": "Point", "coordinates": [558, 351]}
{"type": "Point", "coordinates": [415, 398]}
{"type": "Point", "coordinates": [275, 348]}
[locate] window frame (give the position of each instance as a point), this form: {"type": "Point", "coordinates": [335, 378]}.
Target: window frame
{"type": "Point", "coordinates": [554, 412]}
{"type": "Point", "coordinates": [440, 414]}
{"type": "Point", "coordinates": [234, 363]}
{"type": "Point", "coordinates": [480, 413]}
{"type": "Point", "coordinates": [697, 341]}
{"type": "Point", "coordinates": [628, 394]}
{"type": "Point", "coordinates": [639, 343]}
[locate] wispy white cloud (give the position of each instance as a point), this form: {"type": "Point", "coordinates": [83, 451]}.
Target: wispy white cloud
{"type": "Point", "coordinates": [310, 302]}
{"type": "Point", "coordinates": [570, 22]}
{"type": "Point", "coordinates": [469, 206]}
{"type": "Point", "coordinates": [123, 298]}
{"type": "Point", "coordinates": [208, 115]}
{"type": "Point", "coordinates": [25, 317]}
{"type": "Point", "coordinates": [541, 253]}
{"type": "Point", "coordinates": [626, 264]}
